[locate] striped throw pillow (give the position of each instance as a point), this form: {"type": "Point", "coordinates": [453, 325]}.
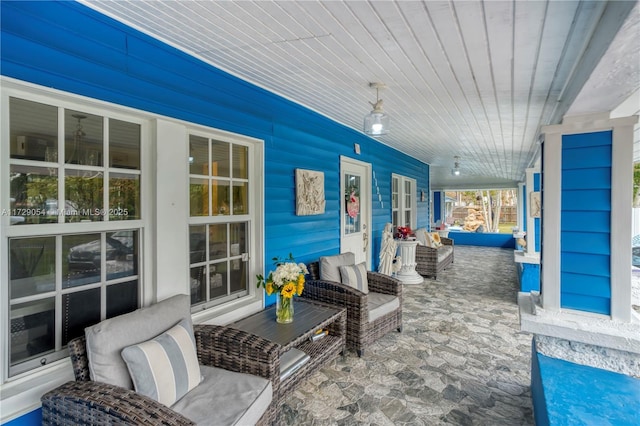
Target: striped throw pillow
{"type": "Point", "coordinates": [355, 276]}
{"type": "Point", "coordinates": [166, 367]}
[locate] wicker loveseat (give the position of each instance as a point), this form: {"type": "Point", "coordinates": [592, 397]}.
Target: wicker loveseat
{"type": "Point", "coordinates": [369, 315]}
{"type": "Point", "coordinates": [430, 261]}
{"type": "Point", "coordinates": [224, 396]}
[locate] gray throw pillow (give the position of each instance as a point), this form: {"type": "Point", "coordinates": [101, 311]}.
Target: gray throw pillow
{"type": "Point", "coordinates": [329, 265]}
{"type": "Point", "coordinates": [107, 339]}
{"type": "Point", "coordinates": [355, 276]}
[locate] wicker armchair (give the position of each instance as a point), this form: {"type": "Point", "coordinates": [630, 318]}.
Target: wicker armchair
{"type": "Point", "coordinates": [88, 402]}
{"type": "Point", "coordinates": [431, 261]}
{"type": "Point", "coordinates": [360, 331]}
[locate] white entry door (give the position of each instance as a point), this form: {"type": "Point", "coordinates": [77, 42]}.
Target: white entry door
{"type": "Point", "coordinates": [355, 229]}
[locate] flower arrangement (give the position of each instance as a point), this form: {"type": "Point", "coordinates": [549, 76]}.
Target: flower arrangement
{"type": "Point", "coordinates": [403, 232]}
{"type": "Point", "coordinates": [286, 281]}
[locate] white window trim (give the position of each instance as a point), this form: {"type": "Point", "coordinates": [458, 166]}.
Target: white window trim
{"type": "Point", "coordinates": [21, 394]}
{"type": "Point", "coordinates": [401, 198]}
{"type": "Point", "coordinates": [227, 312]}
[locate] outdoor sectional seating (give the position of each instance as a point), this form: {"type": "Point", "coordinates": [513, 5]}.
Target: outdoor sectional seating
{"type": "Point", "coordinates": [370, 314]}
{"type": "Point", "coordinates": [430, 261]}
{"type": "Point", "coordinates": [239, 374]}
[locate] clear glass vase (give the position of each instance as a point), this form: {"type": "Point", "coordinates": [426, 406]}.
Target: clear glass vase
{"type": "Point", "coordinates": [284, 309]}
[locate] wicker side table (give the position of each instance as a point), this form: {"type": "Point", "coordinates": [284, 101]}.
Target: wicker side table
{"type": "Point", "coordinates": [309, 317]}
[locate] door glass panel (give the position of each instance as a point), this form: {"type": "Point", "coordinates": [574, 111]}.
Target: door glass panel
{"type": "Point", "coordinates": [124, 144]}
{"type": "Point", "coordinates": [32, 329]}
{"type": "Point", "coordinates": [352, 203]}
{"type": "Point", "coordinates": [81, 256]}
{"type": "Point", "coordinates": [197, 244]}
{"type": "Point", "coordinates": [32, 266]}
{"type": "Point", "coordinates": [34, 130]}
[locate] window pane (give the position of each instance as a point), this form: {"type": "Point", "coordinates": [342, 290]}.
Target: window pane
{"type": "Point", "coordinates": [238, 275]}
{"type": "Point", "coordinates": [32, 329]}
{"type": "Point", "coordinates": [122, 254]}
{"type": "Point", "coordinates": [83, 134]}
{"type": "Point", "coordinates": [240, 162]}
{"type": "Point", "coordinates": [124, 144]}
{"type": "Point", "coordinates": [219, 159]}
{"type": "Point", "coordinates": [34, 195]}
{"type": "Point", "coordinates": [198, 284]}
{"type": "Point", "coordinates": [33, 129]}
{"type": "Point", "coordinates": [394, 218]}
{"type": "Point", "coordinates": [32, 266]}
{"type": "Point", "coordinates": [198, 155]}
{"type": "Point", "coordinates": [198, 197]}
{"type": "Point", "coordinates": [122, 298]}
{"type": "Point", "coordinates": [79, 310]}
{"type": "Point", "coordinates": [84, 189]}
{"type": "Point", "coordinates": [238, 238]}
{"type": "Point", "coordinates": [217, 241]}
{"type": "Point", "coordinates": [197, 244]}
{"type": "Point", "coordinates": [217, 280]}
{"type": "Point", "coordinates": [124, 196]}
{"type": "Point", "coordinates": [220, 197]}
{"type": "Point", "coordinates": [240, 198]}
{"type": "Point", "coordinates": [80, 260]}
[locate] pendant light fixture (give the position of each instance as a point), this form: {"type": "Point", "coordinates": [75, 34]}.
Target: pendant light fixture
{"type": "Point", "coordinates": [456, 167]}
{"type": "Point", "coordinates": [376, 123]}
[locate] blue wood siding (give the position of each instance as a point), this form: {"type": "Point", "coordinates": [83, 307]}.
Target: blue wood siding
{"type": "Point", "coordinates": [536, 221]}
{"type": "Point", "coordinates": [585, 238]}
{"type": "Point", "coordinates": [70, 47]}
{"type": "Point", "coordinates": [437, 206]}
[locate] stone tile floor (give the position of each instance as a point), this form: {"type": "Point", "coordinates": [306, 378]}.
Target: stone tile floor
{"type": "Point", "coordinates": [460, 360]}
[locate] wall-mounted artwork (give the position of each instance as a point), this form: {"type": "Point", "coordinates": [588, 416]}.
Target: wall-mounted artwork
{"type": "Point", "coordinates": [309, 192]}
{"type": "Point", "coordinates": [535, 206]}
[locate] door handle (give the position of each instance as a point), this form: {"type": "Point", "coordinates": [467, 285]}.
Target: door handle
{"type": "Point", "coordinates": [365, 241]}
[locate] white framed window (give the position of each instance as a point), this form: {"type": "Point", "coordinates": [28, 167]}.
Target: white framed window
{"type": "Point", "coordinates": [72, 221]}
{"type": "Point", "coordinates": [403, 201]}
{"type": "Point", "coordinates": [222, 218]}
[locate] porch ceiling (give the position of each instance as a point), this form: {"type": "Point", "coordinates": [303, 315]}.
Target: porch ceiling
{"type": "Point", "coordinates": [474, 79]}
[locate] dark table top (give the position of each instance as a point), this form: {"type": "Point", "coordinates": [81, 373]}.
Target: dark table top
{"type": "Point", "coordinates": [308, 317]}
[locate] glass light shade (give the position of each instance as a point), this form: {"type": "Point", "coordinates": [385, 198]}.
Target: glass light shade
{"type": "Point", "coordinates": [376, 123]}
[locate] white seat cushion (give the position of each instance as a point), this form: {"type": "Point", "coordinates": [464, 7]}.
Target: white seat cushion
{"type": "Point", "coordinates": [381, 304]}
{"type": "Point", "coordinates": [443, 252]}
{"type": "Point", "coordinates": [226, 398]}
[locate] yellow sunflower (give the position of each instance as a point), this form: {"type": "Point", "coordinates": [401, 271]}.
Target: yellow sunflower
{"type": "Point", "coordinates": [269, 288]}
{"type": "Point", "coordinates": [300, 285]}
{"type": "Point", "coordinates": [288, 290]}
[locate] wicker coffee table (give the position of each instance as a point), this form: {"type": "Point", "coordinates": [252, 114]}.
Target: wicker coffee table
{"type": "Point", "coordinates": [309, 318]}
